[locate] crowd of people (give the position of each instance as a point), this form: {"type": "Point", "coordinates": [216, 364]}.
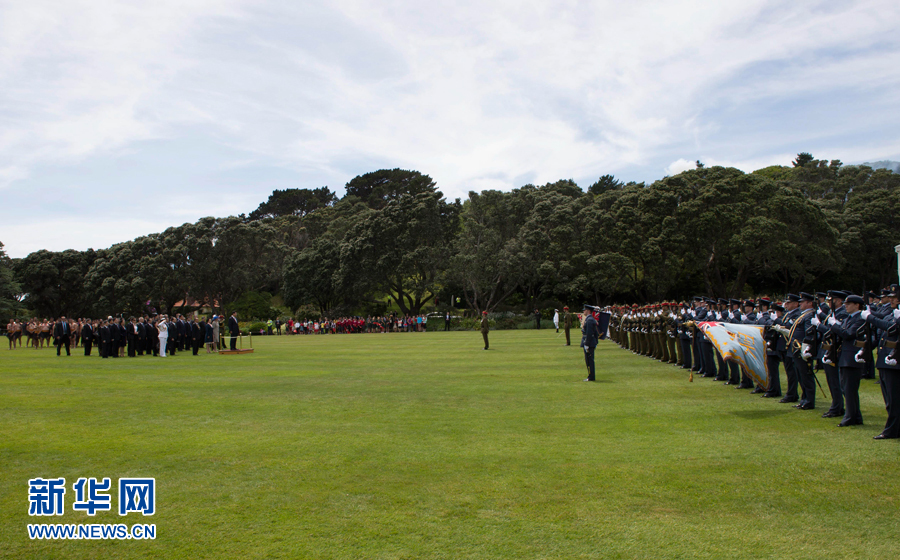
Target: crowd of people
{"type": "Point", "coordinates": [370, 324]}
{"type": "Point", "coordinates": [114, 337]}
{"type": "Point", "coordinates": [845, 335]}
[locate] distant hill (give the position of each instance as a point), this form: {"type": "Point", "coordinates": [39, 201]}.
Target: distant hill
{"type": "Point", "coordinates": [892, 165]}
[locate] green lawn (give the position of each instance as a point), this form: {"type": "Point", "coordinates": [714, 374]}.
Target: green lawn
{"type": "Point", "coordinates": [426, 446]}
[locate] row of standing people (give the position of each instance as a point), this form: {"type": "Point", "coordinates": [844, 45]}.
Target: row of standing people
{"type": "Point", "coordinates": [846, 335]}
{"type": "Point", "coordinates": [117, 337]}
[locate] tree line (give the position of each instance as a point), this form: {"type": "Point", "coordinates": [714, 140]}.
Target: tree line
{"type": "Point", "coordinates": [712, 230]}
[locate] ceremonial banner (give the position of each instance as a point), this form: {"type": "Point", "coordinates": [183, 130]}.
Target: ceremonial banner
{"type": "Point", "coordinates": [603, 324]}
{"type": "Point", "coordinates": [743, 344]}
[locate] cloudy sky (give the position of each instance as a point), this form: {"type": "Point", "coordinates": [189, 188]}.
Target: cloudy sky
{"type": "Point", "coordinates": [123, 118]}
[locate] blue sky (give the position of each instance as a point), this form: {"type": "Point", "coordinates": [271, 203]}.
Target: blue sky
{"type": "Point", "coordinates": [121, 119]}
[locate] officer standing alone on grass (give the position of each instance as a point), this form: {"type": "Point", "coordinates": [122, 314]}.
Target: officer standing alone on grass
{"type": "Point", "coordinates": [589, 337]}
{"type": "Point", "coordinates": [567, 323]}
{"type": "Point", "coordinates": [485, 328]}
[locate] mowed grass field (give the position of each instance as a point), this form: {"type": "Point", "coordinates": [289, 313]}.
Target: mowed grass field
{"type": "Point", "coordinates": [426, 446]}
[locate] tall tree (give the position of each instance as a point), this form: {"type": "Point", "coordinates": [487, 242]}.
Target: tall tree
{"type": "Point", "coordinates": [294, 202]}
{"type": "Point", "coordinates": [54, 282]}
{"type": "Point", "coordinates": [379, 187]}
{"type": "Point", "coordinates": [402, 248]}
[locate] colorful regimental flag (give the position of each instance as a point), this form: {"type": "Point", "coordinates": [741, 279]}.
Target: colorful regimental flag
{"type": "Point", "coordinates": [743, 344]}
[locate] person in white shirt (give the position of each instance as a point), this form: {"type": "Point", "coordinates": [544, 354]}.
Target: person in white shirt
{"type": "Point", "coordinates": [163, 336]}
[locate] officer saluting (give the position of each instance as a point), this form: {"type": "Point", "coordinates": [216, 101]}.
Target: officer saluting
{"type": "Point", "coordinates": [590, 334]}
{"type": "Point", "coordinates": [887, 319]}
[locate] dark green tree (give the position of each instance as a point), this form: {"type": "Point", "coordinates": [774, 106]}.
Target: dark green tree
{"type": "Point", "coordinates": [379, 187]}
{"type": "Point", "coordinates": [53, 282]}
{"type": "Point", "coordinates": [605, 183]}
{"type": "Point", "coordinates": [802, 159]}
{"type": "Point", "coordinates": [401, 249]}
{"type": "Point", "coordinates": [294, 202]}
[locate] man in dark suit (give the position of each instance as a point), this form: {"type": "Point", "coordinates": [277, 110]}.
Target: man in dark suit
{"type": "Point", "coordinates": [141, 336]}
{"type": "Point", "coordinates": [87, 337]}
{"type": "Point", "coordinates": [198, 332]}
{"type": "Point", "coordinates": [61, 334]}
{"type": "Point", "coordinates": [131, 337]}
{"type": "Point", "coordinates": [234, 328]}
{"type": "Point", "coordinates": [851, 361]}
{"type": "Point", "coordinates": [104, 339]}
{"type": "Point", "coordinates": [590, 336]}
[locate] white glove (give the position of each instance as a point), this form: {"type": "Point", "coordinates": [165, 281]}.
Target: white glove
{"type": "Point", "coordinates": [859, 358]}
{"type": "Point", "coordinates": [865, 314]}
{"type": "Point", "coordinates": [831, 320]}
{"type": "Point", "coordinates": [897, 313]}
{"type": "Point", "coordinates": [773, 316]}
{"type": "Point", "coordinates": [889, 361]}
{"type": "Point", "coordinates": [731, 315]}
{"type": "Point", "coordinates": [781, 329]}
{"type": "Point", "coordinates": [804, 351]}
{"type": "Point", "coordinates": [815, 321]}
{"type": "Point", "coordinates": [718, 316]}
{"type": "Point", "coordinates": [827, 361]}
{"type": "Point", "coordinates": [692, 313]}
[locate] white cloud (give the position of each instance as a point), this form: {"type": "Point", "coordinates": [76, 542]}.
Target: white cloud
{"type": "Point", "coordinates": [476, 94]}
{"type": "Point", "coordinates": [680, 165]}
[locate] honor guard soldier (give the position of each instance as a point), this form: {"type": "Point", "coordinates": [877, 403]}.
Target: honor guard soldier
{"type": "Point", "coordinates": [485, 328]}
{"type": "Point", "coordinates": [829, 348]}
{"type": "Point", "coordinates": [567, 324]}
{"type": "Point", "coordinates": [589, 339]}
{"type": "Point", "coordinates": [888, 362]}
{"type": "Point", "coordinates": [850, 334]}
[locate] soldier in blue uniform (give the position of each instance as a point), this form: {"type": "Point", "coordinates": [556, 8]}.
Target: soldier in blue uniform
{"type": "Point", "coordinates": [888, 322]}
{"type": "Point", "coordinates": [589, 337]}
{"type": "Point", "coordinates": [827, 354]}
{"type": "Point", "coordinates": [851, 362]}
{"type": "Point", "coordinates": [801, 349]}
{"type": "Point", "coordinates": [775, 346]}
{"type": "Point", "coordinates": [698, 314]}
{"type": "Point", "coordinates": [684, 337]}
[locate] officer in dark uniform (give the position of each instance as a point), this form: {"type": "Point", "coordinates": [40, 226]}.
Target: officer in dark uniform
{"type": "Point", "coordinates": [888, 322]}
{"type": "Point", "coordinates": [567, 324]}
{"type": "Point", "coordinates": [828, 349]}
{"type": "Point", "coordinates": [589, 338]}
{"type": "Point", "coordinates": [872, 300]}
{"type": "Point", "coordinates": [698, 315]}
{"type": "Point", "coordinates": [537, 318]}
{"type": "Point", "coordinates": [851, 362]}
{"type": "Point", "coordinates": [775, 345]}
{"type": "Point", "coordinates": [485, 328]}
{"type": "Point", "coordinates": [799, 336]}
{"type": "Point", "coordinates": [721, 314]}
{"type": "Point", "coordinates": [685, 334]}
